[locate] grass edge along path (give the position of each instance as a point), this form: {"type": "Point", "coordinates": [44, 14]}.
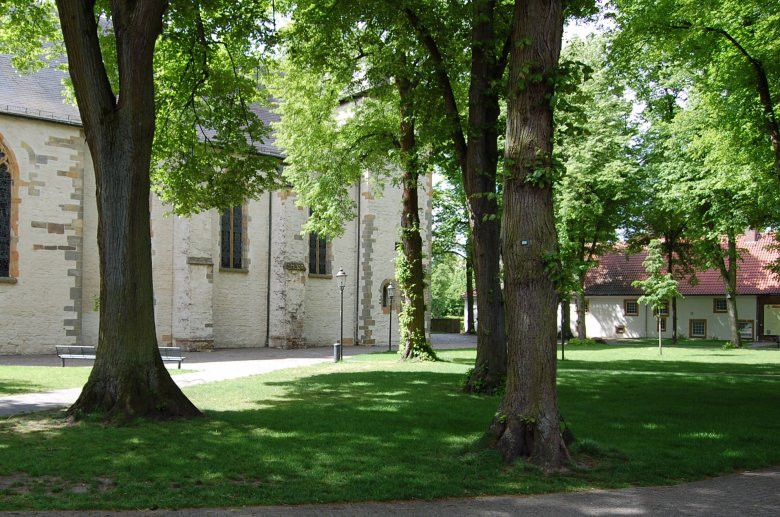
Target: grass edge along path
{"type": "Point", "coordinates": [373, 428]}
{"type": "Point", "coordinates": [18, 380]}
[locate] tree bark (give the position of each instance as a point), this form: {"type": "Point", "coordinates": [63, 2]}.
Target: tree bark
{"type": "Point", "coordinates": [410, 272]}
{"type": "Point", "coordinates": [528, 422]}
{"type": "Point", "coordinates": [128, 379]}
{"type": "Point", "coordinates": [582, 331]}
{"type": "Point", "coordinates": [477, 157]}
{"type": "Point", "coordinates": [469, 326]}
{"type": "Point", "coordinates": [566, 334]}
{"type": "Point", "coordinates": [479, 182]}
{"type": "Point", "coordinates": [670, 246]}
{"type": "Point", "coordinates": [728, 273]}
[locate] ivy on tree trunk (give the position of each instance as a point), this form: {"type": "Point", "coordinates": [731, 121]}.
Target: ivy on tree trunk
{"type": "Point", "coordinates": [409, 265]}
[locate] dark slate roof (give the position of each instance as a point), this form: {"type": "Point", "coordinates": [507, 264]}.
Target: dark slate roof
{"type": "Point", "coordinates": [35, 95]}
{"type": "Point", "coordinates": [39, 95]}
{"type": "Point", "coordinates": [615, 272]}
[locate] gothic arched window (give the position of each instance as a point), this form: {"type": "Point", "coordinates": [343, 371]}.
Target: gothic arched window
{"type": "Point", "coordinates": [5, 214]}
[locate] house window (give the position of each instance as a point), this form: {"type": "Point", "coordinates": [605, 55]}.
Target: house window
{"type": "Point", "coordinates": [631, 307]}
{"type": "Point", "coordinates": [587, 306]}
{"type": "Point", "coordinates": [662, 311]}
{"type": "Point", "coordinates": [5, 215]}
{"type": "Point", "coordinates": [719, 305]}
{"type": "Point", "coordinates": [697, 328]}
{"type": "Point", "coordinates": [318, 254]}
{"type": "Point", "coordinates": [232, 238]}
{"type": "Point", "coordinates": [663, 325]}
{"type": "Point", "coordinates": [746, 329]}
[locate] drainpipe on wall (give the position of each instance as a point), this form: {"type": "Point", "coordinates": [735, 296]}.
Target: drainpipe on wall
{"type": "Point", "coordinates": [268, 273]}
{"type": "Point", "coordinates": [646, 333]}
{"type": "Point", "coordinates": [357, 264]}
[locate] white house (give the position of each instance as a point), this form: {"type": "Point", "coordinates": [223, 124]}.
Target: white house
{"type": "Point", "coordinates": [242, 278]}
{"type": "Point", "coordinates": [612, 309]}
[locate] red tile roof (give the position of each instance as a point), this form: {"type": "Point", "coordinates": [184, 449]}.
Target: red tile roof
{"type": "Point", "coordinates": [615, 272]}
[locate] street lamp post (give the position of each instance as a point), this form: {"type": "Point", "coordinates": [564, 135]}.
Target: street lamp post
{"type": "Point", "coordinates": [390, 293]}
{"type": "Point", "coordinates": [341, 279]}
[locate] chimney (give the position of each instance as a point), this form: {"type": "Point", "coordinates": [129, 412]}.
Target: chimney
{"type": "Point", "coordinates": [752, 235]}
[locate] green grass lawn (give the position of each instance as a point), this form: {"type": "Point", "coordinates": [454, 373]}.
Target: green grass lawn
{"type": "Point", "coordinates": [15, 380]}
{"type": "Point", "coordinates": [372, 428]}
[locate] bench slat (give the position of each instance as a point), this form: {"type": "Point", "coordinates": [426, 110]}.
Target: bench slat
{"type": "Point", "coordinates": [167, 353]}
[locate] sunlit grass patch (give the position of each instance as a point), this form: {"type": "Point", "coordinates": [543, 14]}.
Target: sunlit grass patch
{"type": "Point", "coordinates": [375, 428]}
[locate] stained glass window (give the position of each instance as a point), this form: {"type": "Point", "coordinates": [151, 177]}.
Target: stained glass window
{"type": "Point", "coordinates": [318, 255]}
{"type": "Point", "coordinates": [5, 215]}
{"type": "Point", "coordinates": [232, 245]}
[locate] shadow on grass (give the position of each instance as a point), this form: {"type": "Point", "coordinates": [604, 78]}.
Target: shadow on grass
{"type": "Point", "coordinates": [385, 434]}
{"type": "Point", "coordinates": [17, 386]}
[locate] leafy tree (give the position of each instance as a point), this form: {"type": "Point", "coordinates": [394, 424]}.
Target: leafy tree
{"type": "Point", "coordinates": [452, 236]}
{"type": "Point", "coordinates": [448, 280]}
{"type": "Point", "coordinates": [724, 192]}
{"type": "Point", "coordinates": [661, 214]}
{"type": "Point", "coordinates": [448, 31]}
{"type": "Point", "coordinates": [729, 50]}
{"type": "Point", "coordinates": [122, 58]}
{"type": "Point", "coordinates": [329, 149]}
{"type": "Point", "coordinates": [659, 287]}
{"type": "Point", "coordinates": [598, 187]}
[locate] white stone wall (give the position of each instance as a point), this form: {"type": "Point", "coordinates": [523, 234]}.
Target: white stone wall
{"type": "Point", "coordinates": [51, 298]}
{"type": "Point", "coordinates": [90, 262]}
{"type": "Point", "coordinates": [605, 313]}
{"type": "Point", "coordinates": [322, 298]}
{"type": "Point", "coordinates": [41, 303]}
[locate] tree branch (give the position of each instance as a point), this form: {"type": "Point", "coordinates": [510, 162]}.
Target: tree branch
{"type": "Point", "coordinates": [762, 85]}
{"type": "Point", "coordinates": [85, 62]}
{"type": "Point", "coordinates": [445, 86]}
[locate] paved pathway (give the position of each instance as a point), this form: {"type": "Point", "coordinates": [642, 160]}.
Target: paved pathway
{"type": "Point", "coordinates": [746, 494]}
{"type": "Point", "coordinates": [209, 367]}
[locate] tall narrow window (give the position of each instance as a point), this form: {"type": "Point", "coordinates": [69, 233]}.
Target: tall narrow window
{"type": "Point", "coordinates": [5, 215]}
{"type": "Point", "coordinates": [232, 238]}
{"type": "Point", "coordinates": [318, 255]}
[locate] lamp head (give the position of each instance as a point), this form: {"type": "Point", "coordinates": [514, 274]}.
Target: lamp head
{"type": "Point", "coordinates": [341, 278]}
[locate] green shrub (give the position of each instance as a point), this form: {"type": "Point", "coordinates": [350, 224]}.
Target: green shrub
{"type": "Point", "coordinates": [582, 342]}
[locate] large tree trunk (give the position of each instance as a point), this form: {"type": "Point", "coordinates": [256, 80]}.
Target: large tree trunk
{"type": "Point", "coordinates": [479, 182]}
{"type": "Point", "coordinates": [409, 269]}
{"type": "Point", "coordinates": [128, 379]}
{"type": "Point", "coordinates": [528, 421]}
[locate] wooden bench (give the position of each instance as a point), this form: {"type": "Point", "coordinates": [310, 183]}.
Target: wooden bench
{"type": "Point", "coordinates": [170, 354]}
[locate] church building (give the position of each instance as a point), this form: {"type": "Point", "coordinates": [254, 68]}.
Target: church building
{"type": "Point", "coordinates": [245, 277]}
